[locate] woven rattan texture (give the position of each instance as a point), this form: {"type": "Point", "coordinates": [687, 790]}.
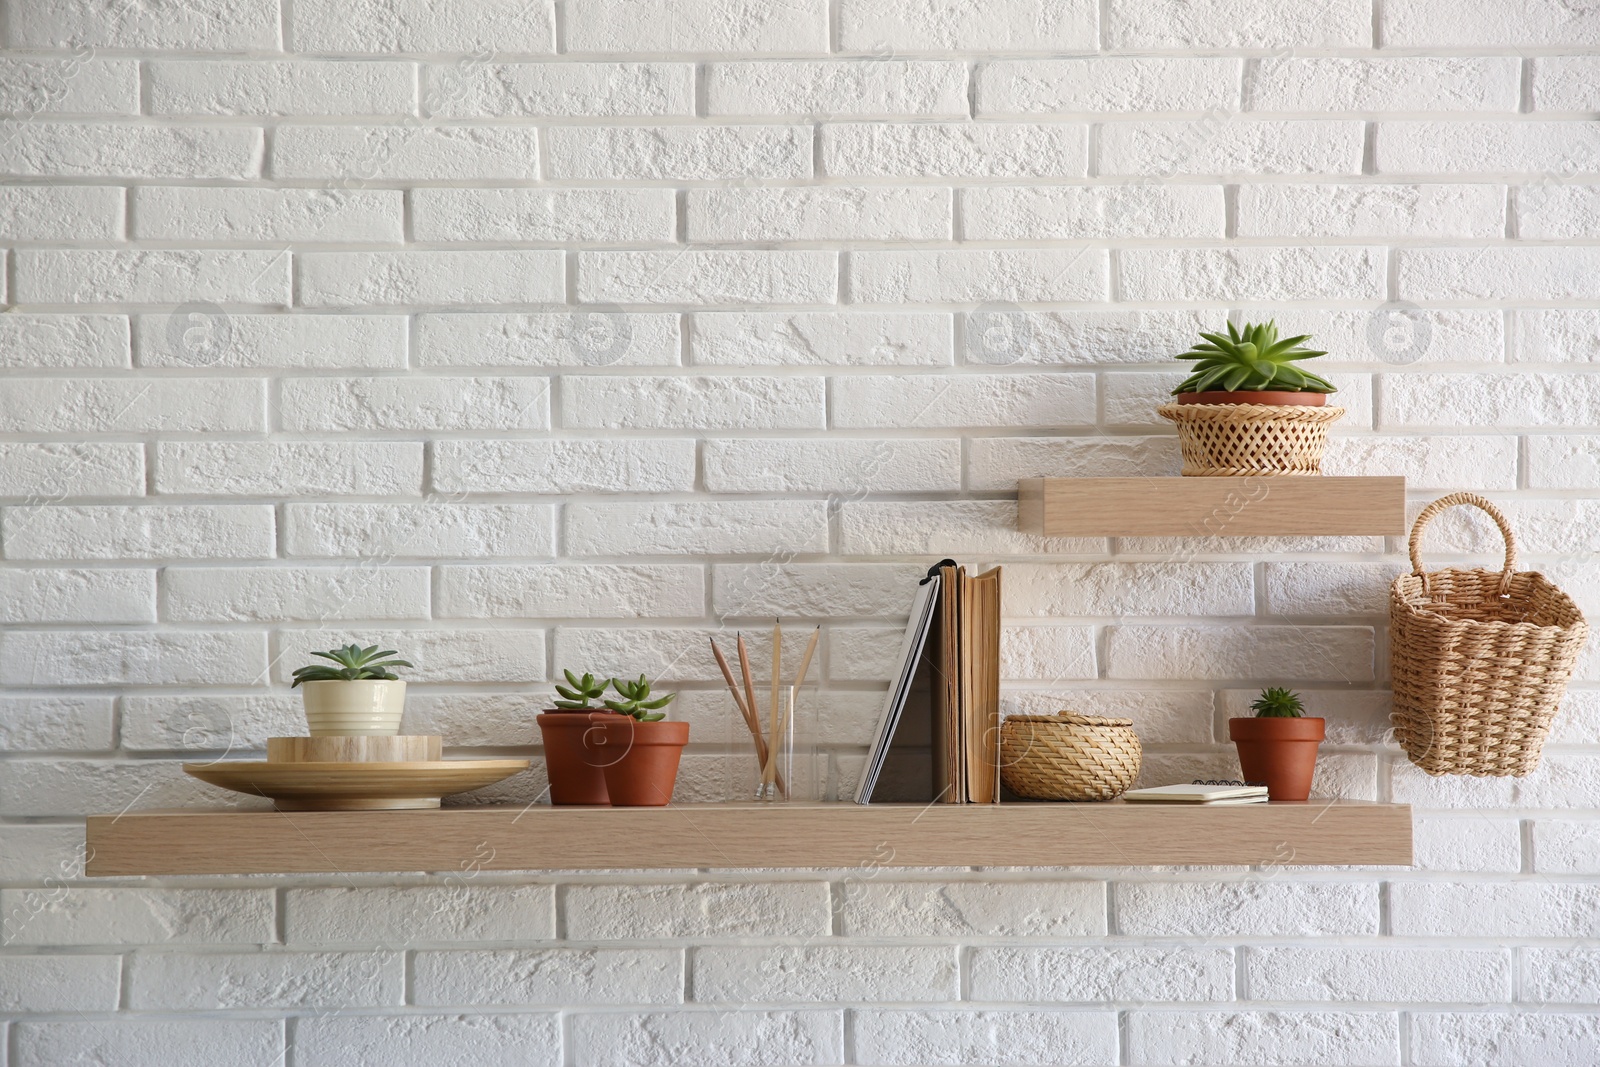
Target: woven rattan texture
{"type": "Point", "coordinates": [1479, 659]}
{"type": "Point", "coordinates": [1068, 756]}
{"type": "Point", "coordinates": [1220, 440]}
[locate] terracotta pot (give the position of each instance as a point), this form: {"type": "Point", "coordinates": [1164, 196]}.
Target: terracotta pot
{"type": "Point", "coordinates": [1278, 398]}
{"type": "Point", "coordinates": [575, 754]}
{"type": "Point", "coordinates": [1279, 752]}
{"type": "Point", "coordinates": [371, 707]}
{"type": "Point", "coordinates": [641, 764]}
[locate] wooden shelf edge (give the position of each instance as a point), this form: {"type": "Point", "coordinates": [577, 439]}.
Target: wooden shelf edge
{"type": "Point", "coordinates": [1321, 832]}
{"type": "Point", "coordinates": [1286, 505]}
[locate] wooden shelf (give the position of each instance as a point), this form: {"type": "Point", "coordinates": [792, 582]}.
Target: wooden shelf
{"type": "Point", "coordinates": [747, 835]}
{"type": "Point", "coordinates": [1211, 507]}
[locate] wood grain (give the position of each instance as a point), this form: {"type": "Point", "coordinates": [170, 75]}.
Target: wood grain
{"type": "Point", "coordinates": [371, 748]}
{"type": "Point", "coordinates": [1211, 507]}
{"type": "Point", "coordinates": [748, 835]}
{"type": "Point", "coordinates": [354, 786]}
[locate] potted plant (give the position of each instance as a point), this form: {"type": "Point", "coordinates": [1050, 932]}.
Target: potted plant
{"type": "Point", "coordinates": [645, 750]}
{"type": "Point", "coordinates": [362, 696]}
{"type": "Point", "coordinates": [1247, 409]}
{"type": "Point", "coordinates": [1278, 745]}
{"type": "Point", "coordinates": [572, 742]}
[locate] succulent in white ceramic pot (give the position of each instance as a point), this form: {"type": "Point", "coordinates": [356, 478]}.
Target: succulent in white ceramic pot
{"type": "Point", "coordinates": [361, 696]}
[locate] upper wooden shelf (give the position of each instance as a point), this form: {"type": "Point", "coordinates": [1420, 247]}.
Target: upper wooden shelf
{"type": "Point", "coordinates": [1308, 505]}
{"type": "Point", "coordinates": [747, 835]}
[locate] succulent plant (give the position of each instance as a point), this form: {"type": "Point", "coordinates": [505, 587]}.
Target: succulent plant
{"type": "Point", "coordinates": [581, 691]}
{"type": "Point", "coordinates": [1276, 703]}
{"type": "Point", "coordinates": [1251, 358]}
{"type": "Point", "coordinates": [636, 700]}
{"type": "Point", "coordinates": [355, 664]}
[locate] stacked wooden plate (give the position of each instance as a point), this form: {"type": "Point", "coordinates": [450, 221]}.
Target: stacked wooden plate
{"type": "Point", "coordinates": [355, 773]}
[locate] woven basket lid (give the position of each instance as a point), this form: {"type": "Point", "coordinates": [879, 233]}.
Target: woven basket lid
{"type": "Point", "coordinates": [1071, 718]}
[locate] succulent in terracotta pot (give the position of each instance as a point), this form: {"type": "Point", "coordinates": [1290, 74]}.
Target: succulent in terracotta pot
{"type": "Point", "coordinates": [359, 695]}
{"type": "Point", "coordinates": [573, 751]}
{"type": "Point", "coordinates": [1252, 366]}
{"type": "Point", "coordinates": [1278, 745]}
{"type": "Point", "coordinates": [646, 749]}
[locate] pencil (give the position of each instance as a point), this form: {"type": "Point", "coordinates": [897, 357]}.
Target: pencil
{"type": "Point", "coordinates": [749, 686]}
{"type": "Point", "coordinates": [750, 699]}
{"type": "Point", "coordinates": [805, 661]}
{"type": "Point", "coordinates": [727, 676]}
{"type": "Point", "coordinates": [738, 702]}
{"type": "Point", "coordinates": [794, 698]}
{"type": "Point", "coordinates": [770, 775]}
{"type": "Point", "coordinates": [776, 744]}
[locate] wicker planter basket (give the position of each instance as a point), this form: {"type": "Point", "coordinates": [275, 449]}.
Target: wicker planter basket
{"type": "Point", "coordinates": [1479, 659]}
{"type": "Point", "coordinates": [1068, 756]}
{"type": "Point", "coordinates": [1219, 440]}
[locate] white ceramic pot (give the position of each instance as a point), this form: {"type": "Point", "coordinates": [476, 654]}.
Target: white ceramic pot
{"type": "Point", "coordinates": [354, 709]}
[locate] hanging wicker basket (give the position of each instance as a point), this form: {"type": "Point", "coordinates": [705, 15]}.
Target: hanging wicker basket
{"type": "Point", "coordinates": [1219, 440]}
{"type": "Point", "coordinates": [1479, 659]}
{"type": "Point", "coordinates": [1068, 756]}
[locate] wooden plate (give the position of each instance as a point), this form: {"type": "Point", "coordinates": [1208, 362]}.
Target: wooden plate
{"type": "Point", "coordinates": [397, 748]}
{"type": "Point", "coordinates": [355, 786]}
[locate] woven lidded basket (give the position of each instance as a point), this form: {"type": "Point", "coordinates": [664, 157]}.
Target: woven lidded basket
{"type": "Point", "coordinates": [1479, 659]}
{"type": "Point", "coordinates": [1227, 439]}
{"type": "Point", "coordinates": [1068, 756]}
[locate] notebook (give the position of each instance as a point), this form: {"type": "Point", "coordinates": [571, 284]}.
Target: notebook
{"type": "Point", "coordinates": [911, 652]}
{"type": "Point", "coordinates": [949, 678]}
{"type": "Point", "coordinates": [1198, 794]}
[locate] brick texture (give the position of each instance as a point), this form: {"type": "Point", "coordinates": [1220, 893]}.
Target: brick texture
{"type": "Point", "coordinates": [523, 335]}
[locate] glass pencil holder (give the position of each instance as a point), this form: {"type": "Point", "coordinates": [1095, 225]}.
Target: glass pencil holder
{"type": "Point", "coordinates": [768, 772]}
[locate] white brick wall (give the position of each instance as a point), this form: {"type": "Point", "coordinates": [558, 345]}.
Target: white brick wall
{"type": "Point", "coordinates": [530, 334]}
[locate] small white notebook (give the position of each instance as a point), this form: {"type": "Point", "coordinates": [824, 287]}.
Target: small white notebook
{"type": "Point", "coordinates": [1199, 794]}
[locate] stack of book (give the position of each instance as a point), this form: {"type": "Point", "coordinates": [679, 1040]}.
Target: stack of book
{"type": "Point", "coordinates": [1198, 793]}
{"type": "Point", "coordinates": [939, 735]}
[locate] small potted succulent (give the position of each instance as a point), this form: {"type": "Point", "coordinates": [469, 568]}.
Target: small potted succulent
{"type": "Point", "coordinates": [1247, 409]}
{"type": "Point", "coordinates": [361, 696]}
{"type": "Point", "coordinates": [646, 750]}
{"type": "Point", "coordinates": [1278, 745]}
{"type": "Point", "coordinates": [572, 739]}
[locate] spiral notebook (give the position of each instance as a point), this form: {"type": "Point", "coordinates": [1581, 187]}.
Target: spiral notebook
{"type": "Point", "coordinates": [1198, 793]}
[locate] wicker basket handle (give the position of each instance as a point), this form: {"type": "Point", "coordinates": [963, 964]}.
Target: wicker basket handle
{"type": "Point", "coordinates": [1449, 502]}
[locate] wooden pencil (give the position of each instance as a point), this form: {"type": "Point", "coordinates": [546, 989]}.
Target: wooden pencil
{"type": "Point", "coordinates": [788, 715]}
{"type": "Point", "coordinates": [738, 702]}
{"type": "Point", "coordinates": [805, 661]}
{"type": "Point", "coordinates": [770, 775]}
{"type": "Point", "coordinates": [775, 745]}
{"type": "Point", "coordinates": [749, 686]}
{"type": "Point", "coordinates": [750, 695]}
{"type": "Point", "coordinates": [733, 687]}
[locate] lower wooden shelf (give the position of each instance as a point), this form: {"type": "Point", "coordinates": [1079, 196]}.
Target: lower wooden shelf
{"type": "Point", "coordinates": [747, 835]}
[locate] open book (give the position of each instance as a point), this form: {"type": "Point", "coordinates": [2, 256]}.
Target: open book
{"type": "Point", "coordinates": [939, 735]}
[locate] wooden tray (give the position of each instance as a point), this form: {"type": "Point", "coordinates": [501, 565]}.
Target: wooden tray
{"type": "Point", "coordinates": [355, 786]}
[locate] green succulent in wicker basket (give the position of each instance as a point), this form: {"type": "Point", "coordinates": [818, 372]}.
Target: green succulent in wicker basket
{"type": "Point", "coordinates": [355, 664]}
{"type": "Point", "coordinates": [1251, 358]}
{"type": "Point", "coordinates": [1276, 703]}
